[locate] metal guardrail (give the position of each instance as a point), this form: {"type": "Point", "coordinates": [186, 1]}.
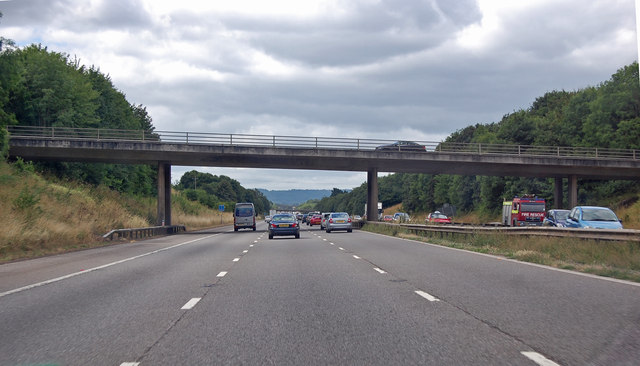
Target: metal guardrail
{"type": "Point", "coordinates": [624, 235]}
{"type": "Point", "coordinates": [145, 232]}
{"type": "Point", "coordinates": [195, 138]}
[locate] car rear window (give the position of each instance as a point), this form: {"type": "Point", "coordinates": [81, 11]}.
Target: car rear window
{"type": "Point", "coordinates": [340, 215]}
{"type": "Point", "coordinates": [244, 211]}
{"type": "Point", "coordinates": [283, 218]}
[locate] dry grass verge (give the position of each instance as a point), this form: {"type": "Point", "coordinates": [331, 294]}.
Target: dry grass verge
{"type": "Point", "coordinates": [605, 258]}
{"type": "Point", "coordinates": [44, 216]}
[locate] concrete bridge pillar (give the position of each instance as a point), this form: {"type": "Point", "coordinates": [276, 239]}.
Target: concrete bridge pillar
{"type": "Point", "coordinates": [557, 194]}
{"type": "Point", "coordinates": [573, 192]}
{"type": "Point", "coordinates": [164, 194]}
{"type": "Point", "coordinates": [372, 194]}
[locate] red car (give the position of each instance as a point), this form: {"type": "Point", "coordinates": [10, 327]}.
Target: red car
{"type": "Point", "coordinates": [387, 218]}
{"type": "Point", "coordinates": [438, 218]}
{"type": "Point", "coordinates": [315, 220]}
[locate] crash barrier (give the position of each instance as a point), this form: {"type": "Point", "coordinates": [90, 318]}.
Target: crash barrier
{"type": "Point", "coordinates": [145, 232]}
{"type": "Point", "coordinates": [559, 232]}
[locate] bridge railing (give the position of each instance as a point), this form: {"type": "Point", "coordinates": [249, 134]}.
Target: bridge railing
{"type": "Point", "coordinates": [209, 138]}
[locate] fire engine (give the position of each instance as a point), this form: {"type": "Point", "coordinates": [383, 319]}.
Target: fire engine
{"type": "Point", "coordinates": [523, 211]}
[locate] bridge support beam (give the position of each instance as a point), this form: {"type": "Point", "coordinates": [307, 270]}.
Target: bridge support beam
{"type": "Point", "coordinates": [573, 192]}
{"type": "Point", "coordinates": [557, 194]}
{"type": "Point", "coordinates": [372, 194]}
{"type": "Point", "coordinates": [164, 194]}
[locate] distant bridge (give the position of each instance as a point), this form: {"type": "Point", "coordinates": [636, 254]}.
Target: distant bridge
{"type": "Point", "coordinates": [164, 149]}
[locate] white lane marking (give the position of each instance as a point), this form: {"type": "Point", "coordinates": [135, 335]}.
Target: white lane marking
{"type": "Point", "coordinates": [245, 251]}
{"type": "Point", "coordinates": [191, 303]}
{"type": "Point", "coordinates": [255, 241]}
{"type": "Point", "coordinates": [589, 275]}
{"type": "Point", "coordinates": [222, 274]}
{"type": "Point", "coordinates": [341, 248]}
{"type": "Point", "coordinates": [380, 271]}
{"type": "Point", "coordinates": [236, 259]}
{"type": "Point", "coordinates": [130, 364]}
{"type": "Point", "coordinates": [29, 287]}
{"type": "Point", "coordinates": [539, 359]}
{"type": "Point", "coordinates": [427, 296]}
{"type": "Point", "coordinates": [331, 243]}
{"type": "Point", "coordinates": [251, 246]}
{"type": "Point", "coordinates": [323, 239]}
{"type": "Point", "coordinates": [356, 257]}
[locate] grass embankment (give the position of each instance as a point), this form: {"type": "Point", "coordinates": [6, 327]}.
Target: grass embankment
{"type": "Point", "coordinates": [612, 259]}
{"type": "Point", "coordinates": [42, 215]}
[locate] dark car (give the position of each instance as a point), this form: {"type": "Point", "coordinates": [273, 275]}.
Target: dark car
{"type": "Point", "coordinates": [556, 218]}
{"type": "Point", "coordinates": [284, 224]}
{"type": "Point", "coordinates": [402, 146]}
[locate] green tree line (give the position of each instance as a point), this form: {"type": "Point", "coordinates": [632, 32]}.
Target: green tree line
{"type": "Point", "coordinates": [42, 88]}
{"type": "Point", "coordinates": [604, 116]}
{"type": "Point", "coordinates": [212, 191]}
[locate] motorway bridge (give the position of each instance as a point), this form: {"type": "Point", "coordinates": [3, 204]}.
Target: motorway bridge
{"type": "Point", "coordinates": [164, 149]}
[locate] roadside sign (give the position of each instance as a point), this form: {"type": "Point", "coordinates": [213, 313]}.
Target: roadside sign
{"type": "Point", "coordinates": [221, 208]}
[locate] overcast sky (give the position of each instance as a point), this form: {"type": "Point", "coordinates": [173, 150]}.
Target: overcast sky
{"type": "Point", "coordinates": [401, 69]}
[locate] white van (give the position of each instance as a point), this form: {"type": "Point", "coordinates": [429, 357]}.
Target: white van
{"type": "Point", "coordinates": [244, 216]}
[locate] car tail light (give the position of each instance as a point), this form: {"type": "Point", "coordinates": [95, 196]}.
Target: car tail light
{"type": "Point", "coordinates": [294, 225]}
{"type": "Point", "coordinates": [349, 219]}
{"type": "Point", "coordinates": [274, 225]}
{"type": "Point", "coordinates": [331, 221]}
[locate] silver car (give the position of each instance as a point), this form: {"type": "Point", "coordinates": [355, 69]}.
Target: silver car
{"type": "Point", "coordinates": [338, 221]}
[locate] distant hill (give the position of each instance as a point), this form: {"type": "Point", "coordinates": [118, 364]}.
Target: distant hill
{"type": "Point", "coordinates": [294, 197]}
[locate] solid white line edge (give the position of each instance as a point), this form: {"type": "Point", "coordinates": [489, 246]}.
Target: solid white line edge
{"type": "Point", "coordinates": [29, 287]}
{"type": "Point", "coordinates": [582, 274]}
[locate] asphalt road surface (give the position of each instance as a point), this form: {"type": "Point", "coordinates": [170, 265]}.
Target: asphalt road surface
{"type": "Point", "coordinates": [225, 298]}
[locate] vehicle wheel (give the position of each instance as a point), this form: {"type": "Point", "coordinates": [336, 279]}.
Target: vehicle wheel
{"type": "Point", "coordinates": [254, 228]}
{"type": "Point", "coordinates": [297, 236]}
{"type": "Point", "coordinates": [349, 230]}
{"type": "Point", "coordinates": [235, 229]}
{"type": "Point", "coordinates": [328, 231]}
{"type": "Point", "coordinates": [270, 236]}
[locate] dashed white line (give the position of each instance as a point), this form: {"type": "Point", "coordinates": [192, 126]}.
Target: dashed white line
{"type": "Point", "coordinates": [222, 274]}
{"type": "Point", "coordinates": [356, 257]}
{"type": "Point", "coordinates": [341, 248]}
{"type": "Point", "coordinates": [191, 303]}
{"type": "Point", "coordinates": [130, 364]}
{"type": "Point", "coordinates": [245, 251]}
{"type": "Point", "coordinates": [539, 359]}
{"type": "Point", "coordinates": [236, 259]}
{"type": "Point", "coordinates": [324, 239]}
{"type": "Point", "coordinates": [380, 271]}
{"type": "Point", "coordinates": [251, 246]}
{"type": "Point", "coordinates": [427, 296]}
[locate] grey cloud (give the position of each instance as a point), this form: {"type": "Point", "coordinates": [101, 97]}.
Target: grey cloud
{"type": "Point", "coordinates": [17, 13]}
{"type": "Point", "coordinates": [369, 33]}
{"type": "Point", "coordinates": [119, 14]}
